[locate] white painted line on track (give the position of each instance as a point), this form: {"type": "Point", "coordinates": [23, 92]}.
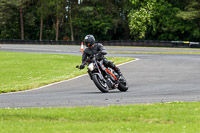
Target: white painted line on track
{"type": "Point", "coordinates": [45, 85]}
{"type": "Point", "coordinates": [136, 59]}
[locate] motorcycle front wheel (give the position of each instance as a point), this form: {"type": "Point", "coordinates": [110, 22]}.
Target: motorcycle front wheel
{"type": "Point", "coordinates": [100, 84]}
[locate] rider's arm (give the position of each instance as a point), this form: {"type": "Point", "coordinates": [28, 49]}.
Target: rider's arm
{"type": "Point", "coordinates": [84, 57]}
{"type": "Point", "coordinates": [101, 49]}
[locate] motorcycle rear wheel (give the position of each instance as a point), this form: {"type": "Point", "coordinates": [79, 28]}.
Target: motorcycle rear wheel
{"type": "Point", "coordinates": [123, 86]}
{"type": "Point", "coordinates": [100, 84]}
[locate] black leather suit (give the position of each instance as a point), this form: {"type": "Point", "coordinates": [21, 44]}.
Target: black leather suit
{"type": "Point", "coordinates": [99, 49]}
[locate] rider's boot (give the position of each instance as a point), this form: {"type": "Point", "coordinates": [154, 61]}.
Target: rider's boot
{"type": "Point", "coordinates": [117, 70]}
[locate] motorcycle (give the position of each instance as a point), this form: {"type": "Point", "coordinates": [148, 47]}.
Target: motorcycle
{"type": "Point", "coordinates": [105, 78]}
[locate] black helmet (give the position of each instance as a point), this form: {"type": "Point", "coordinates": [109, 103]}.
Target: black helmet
{"type": "Point", "coordinates": [89, 40]}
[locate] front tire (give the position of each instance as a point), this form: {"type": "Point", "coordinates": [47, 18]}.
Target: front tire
{"type": "Point", "coordinates": [100, 84]}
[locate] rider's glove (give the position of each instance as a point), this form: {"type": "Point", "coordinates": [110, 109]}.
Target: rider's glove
{"type": "Point", "coordinates": [82, 66]}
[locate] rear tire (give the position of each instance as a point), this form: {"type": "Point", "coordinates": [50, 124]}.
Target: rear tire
{"type": "Point", "coordinates": [122, 88]}
{"type": "Point", "coordinates": [100, 84]}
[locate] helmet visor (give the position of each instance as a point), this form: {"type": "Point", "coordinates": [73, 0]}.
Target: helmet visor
{"type": "Point", "coordinates": [87, 44]}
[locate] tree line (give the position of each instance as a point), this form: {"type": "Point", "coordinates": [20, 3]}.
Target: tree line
{"type": "Point", "coordinates": [106, 19]}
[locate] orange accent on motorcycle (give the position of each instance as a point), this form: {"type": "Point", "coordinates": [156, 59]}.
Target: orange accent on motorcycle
{"type": "Point", "coordinates": [111, 73]}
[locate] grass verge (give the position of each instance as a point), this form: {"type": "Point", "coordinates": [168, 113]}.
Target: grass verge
{"type": "Point", "coordinates": [153, 52]}
{"type": "Point", "coordinates": [174, 117]}
{"type": "Point", "coordinates": [23, 71]}
{"type": "Point", "coordinates": [157, 47]}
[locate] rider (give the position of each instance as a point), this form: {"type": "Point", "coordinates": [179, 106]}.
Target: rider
{"type": "Point", "coordinates": [98, 49]}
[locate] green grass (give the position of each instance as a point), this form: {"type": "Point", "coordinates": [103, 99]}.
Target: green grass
{"type": "Point", "coordinates": [174, 117]}
{"type": "Point", "coordinates": [153, 52]}
{"type": "Point", "coordinates": [23, 71]}
{"type": "Point", "coordinates": [157, 47]}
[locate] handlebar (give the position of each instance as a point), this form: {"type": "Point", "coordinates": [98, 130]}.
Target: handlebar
{"type": "Point", "coordinates": [91, 58]}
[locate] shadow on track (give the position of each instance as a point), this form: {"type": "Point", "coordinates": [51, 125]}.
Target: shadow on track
{"type": "Point", "coordinates": [100, 92]}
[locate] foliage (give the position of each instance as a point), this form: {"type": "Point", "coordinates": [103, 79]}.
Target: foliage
{"type": "Point", "coordinates": [191, 11]}
{"type": "Point", "coordinates": [86, 23]}
{"type": "Point", "coordinates": [141, 18]}
{"type": "Point", "coordinates": [160, 20]}
{"type": "Point", "coordinates": [107, 20]}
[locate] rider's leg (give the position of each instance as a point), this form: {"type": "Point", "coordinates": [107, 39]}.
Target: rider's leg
{"type": "Point", "coordinates": [113, 66]}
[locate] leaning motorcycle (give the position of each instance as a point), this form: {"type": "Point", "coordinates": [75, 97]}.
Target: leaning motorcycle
{"type": "Point", "coordinates": [105, 78]}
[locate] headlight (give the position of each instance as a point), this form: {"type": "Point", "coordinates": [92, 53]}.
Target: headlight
{"type": "Point", "coordinates": [91, 66]}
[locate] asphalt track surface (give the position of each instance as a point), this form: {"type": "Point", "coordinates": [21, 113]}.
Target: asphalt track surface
{"type": "Point", "coordinates": [153, 78]}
